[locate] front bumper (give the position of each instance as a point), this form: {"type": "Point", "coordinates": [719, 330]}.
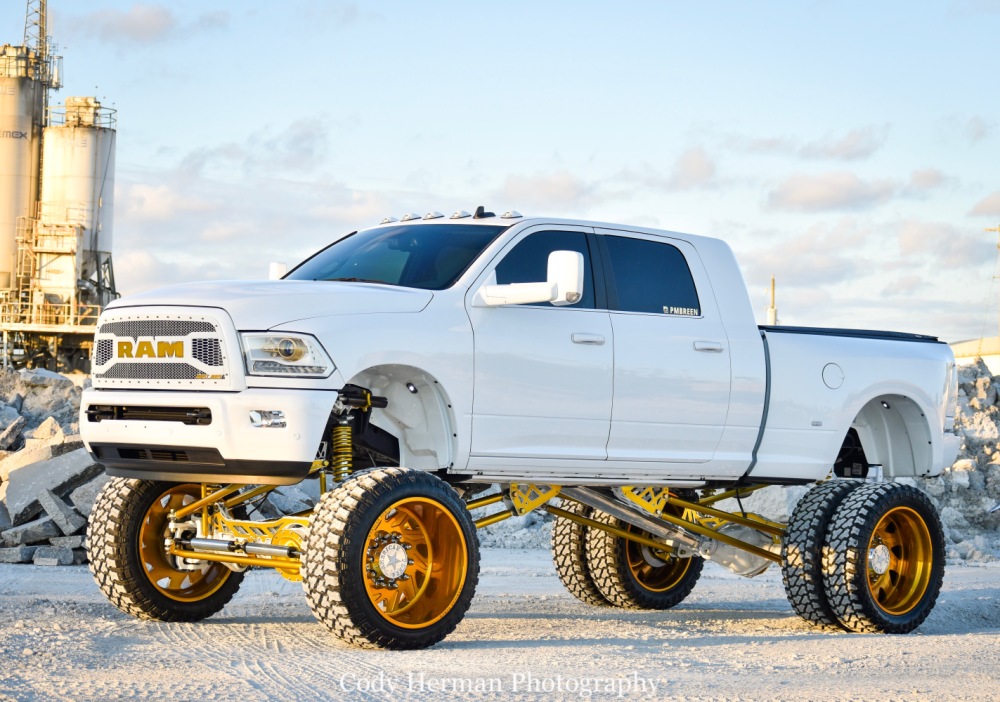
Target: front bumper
{"type": "Point", "coordinates": [229, 449]}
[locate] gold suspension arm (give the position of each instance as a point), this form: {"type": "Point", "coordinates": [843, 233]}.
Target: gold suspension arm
{"type": "Point", "coordinates": [767, 526]}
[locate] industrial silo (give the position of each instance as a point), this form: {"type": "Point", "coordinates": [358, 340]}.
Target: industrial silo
{"type": "Point", "coordinates": [21, 106]}
{"type": "Point", "coordinates": [74, 229]}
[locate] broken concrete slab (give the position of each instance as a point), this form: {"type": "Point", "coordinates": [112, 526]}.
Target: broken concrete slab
{"type": "Point", "coordinates": [67, 541]}
{"type": "Point", "coordinates": [40, 376]}
{"type": "Point", "coordinates": [31, 533]}
{"type": "Point", "coordinates": [66, 518]}
{"type": "Point", "coordinates": [49, 431]}
{"type": "Point", "coordinates": [84, 497]}
{"type": "Point", "coordinates": [10, 436]}
{"type": "Point", "coordinates": [51, 556]}
{"type": "Point", "coordinates": [18, 554]}
{"type": "Point", "coordinates": [61, 475]}
{"type": "Point", "coordinates": [25, 457]}
{"type": "Point", "coordinates": [4, 517]}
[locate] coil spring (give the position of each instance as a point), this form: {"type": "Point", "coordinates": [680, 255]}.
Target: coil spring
{"type": "Point", "coordinates": [342, 452]}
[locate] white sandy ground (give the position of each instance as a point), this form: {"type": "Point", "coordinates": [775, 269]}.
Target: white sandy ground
{"type": "Point", "coordinates": [731, 639]}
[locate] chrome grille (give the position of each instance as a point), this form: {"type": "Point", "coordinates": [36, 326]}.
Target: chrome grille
{"type": "Point", "coordinates": [135, 328]}
{"type": "Point", "coordinates": [151, 371]}
{"type": "Point", "coordinates": [207, 351]}
{"type": "Point", "coordinates": [170, 347]}
{"type": "Point", "coordinates": [103, 351]}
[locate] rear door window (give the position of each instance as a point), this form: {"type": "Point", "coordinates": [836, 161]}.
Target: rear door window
{"type": "Point", "coordinates": [650, 276]}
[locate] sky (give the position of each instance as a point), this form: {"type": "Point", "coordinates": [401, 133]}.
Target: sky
{"type": "Point", "coordinates": [848, 148]}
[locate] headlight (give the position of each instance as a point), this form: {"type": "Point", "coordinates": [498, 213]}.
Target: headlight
{"type": "Point", "coordinates": [284, 355]}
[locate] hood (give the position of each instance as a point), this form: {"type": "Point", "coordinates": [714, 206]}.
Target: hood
{"type": "Point", "coordinates": [267, 303]}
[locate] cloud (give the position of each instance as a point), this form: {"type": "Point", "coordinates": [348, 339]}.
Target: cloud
{"type": "Point", "coordinates": [904, 285]}
{"type": "Point", "coordinates": [856, 145]}
{"type": "Point", "coordinates": [143, 202]}
{"type": "Point", "coordinates": [976, 129]}
{"type": "Point", "coordinates": [941, 246]}
{"type": "Point", "coordinates": [989, 205]}
{"type": "Point", "coordinates": [926, 179]}
{"type": "Point", "coordinates": [839, 190]}
{"type": "Point", "coordinates": [560, 190]}
{"type": "Point", "coordinates": [822, 255]}
{"type": "Point", "coordinates": [693, 169]}
{"type": "Point", "coordinates": [142, 23]}
{"type": "Point", "coordinates": [300, 147]}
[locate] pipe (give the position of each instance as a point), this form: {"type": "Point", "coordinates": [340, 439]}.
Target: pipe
{"type": "Point", "coordinates": [600, 502]}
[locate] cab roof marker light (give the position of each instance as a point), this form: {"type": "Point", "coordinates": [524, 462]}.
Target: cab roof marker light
{"type": "Point", "coordinates": [433, 215]}
{"type": "Point", "coordinates": [461, 214]}
{"type": "Point", "coordinates": [409, 217]}
{"type": "Point", "coordinates": [388, 220]}
{"type": "Point", "coordinates": [511, 214]}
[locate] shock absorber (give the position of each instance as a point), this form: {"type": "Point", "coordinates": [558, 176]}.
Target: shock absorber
{"type": "Point", "coordinates": [342, 448]}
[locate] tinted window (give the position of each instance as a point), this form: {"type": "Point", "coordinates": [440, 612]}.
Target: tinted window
{"type": "Point", "coordinates": [428, 256]}
{"type": "Point", "coordinates": [528, 262]}
{"type": "Point", "coordinates": [651, 277]}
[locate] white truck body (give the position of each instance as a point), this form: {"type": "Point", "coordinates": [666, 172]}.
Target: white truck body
{"type": "Point", "coordinates": [578, 394]}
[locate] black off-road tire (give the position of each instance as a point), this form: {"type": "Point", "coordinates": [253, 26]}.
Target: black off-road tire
{"type": "Point", "coordinates": [905, 519]}
{"type": "Point", "coordinates": [802, 552]}
{"type": "Point", "coordinates": [113, 540]}
{"type": "Point", "coordinates": [569, 553]}
{"type": "Point", "coordinates": [333, 568]}
{"type": "Point", "coordinates": [608, 560]}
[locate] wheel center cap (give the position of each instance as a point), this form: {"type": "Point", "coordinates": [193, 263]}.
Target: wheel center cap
{"type": "Point", "coordinates": [878, 559]}
{"type": "Point", "coordinates": [393, 561]}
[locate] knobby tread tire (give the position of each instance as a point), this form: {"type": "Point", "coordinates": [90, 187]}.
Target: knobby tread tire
{"type": "Point", "coordinates": [802, 552]}
{"type": "Point", "coordinates": [845, 561]}
{"type": "Point", "coordinates": [569, 553]}
{"type": "Point", "coordinates": [112, 541]}
{"type": "Point", "coordinates": [608, 564]}
{"type": "Point", "coordinates": [332, 572]}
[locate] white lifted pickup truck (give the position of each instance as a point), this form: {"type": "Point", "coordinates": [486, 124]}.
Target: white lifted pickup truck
{"type": "Point", "coordinates": [610, 375]}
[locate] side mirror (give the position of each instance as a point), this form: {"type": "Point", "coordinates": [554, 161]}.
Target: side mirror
{"type": "Point", "coordinates": [277, 270]}
{"type": "Point", "coordinates": [564, 285]}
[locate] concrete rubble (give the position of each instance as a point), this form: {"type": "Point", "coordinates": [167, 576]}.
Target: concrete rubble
{"type": "Point", "coordinates": [48, 482]}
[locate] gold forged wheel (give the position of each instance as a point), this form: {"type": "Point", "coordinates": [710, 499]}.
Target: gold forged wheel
{"type": "Point", "coordinates": [160, 567]}
{"type": "Point", "coordinates": [900, 556]}
{"type": "Point", "coordinates": [127, 536]}
{"type": "Point", "coordinates": [416, 562]}
{"type": "Point", "coordinates": [391, 559]}
{"type": "Point", "coordinates": [633, 576]}
{"type": "Point", "coordinates": [654, 570]}
{"type": "Point", "coordinates": [883, 564]}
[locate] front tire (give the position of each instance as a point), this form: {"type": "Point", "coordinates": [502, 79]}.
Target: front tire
{"type": "Point", "coordinates": [391, 560]}
{"type": "Point", "coordinates": [885, 561]}
{"type": "Point", "coordinates": [127, 537]}
{"type": "Point", "coordinates": [633, 576]}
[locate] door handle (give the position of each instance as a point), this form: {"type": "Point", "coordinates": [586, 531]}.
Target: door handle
{"type": "Point", "coordinates": [710, 346]}
{"type": "Point", "coordinates": [589, 339]}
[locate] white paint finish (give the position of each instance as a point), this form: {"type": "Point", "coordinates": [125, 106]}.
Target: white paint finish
{"type": "Point", "coordinates": [873, 368]}
{"type": "Point", "coordinates": [671, 379]}
{"type": "Point", "coordinates": [230, 432]}
{"type": "Point", "coordinates": [537, 392]}
{"type": "Point", "coordinates": [526, 391]}
{"type": "Point", "coordinates": [833, 376]}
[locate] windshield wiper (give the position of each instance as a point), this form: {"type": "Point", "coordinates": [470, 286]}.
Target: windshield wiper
{"type": "Point", "coordinates": [357, 280]}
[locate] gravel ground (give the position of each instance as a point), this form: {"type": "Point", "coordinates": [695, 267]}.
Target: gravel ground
{"type": "Point", "coordinates": [525, 636]}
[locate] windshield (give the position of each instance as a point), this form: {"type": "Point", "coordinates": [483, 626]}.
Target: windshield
{"type": "Point", "coordinates": [428, 256]}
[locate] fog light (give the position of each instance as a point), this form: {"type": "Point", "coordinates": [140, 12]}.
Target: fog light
{"type": "Point", "coordinates": [267, 418]}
